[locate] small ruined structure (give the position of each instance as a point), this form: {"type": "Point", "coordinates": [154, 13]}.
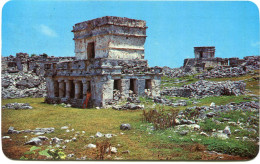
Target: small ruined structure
{"type": "Point", "coordinates": [109, 58]}
{"type": "Point", "coordinates": [204, 58]}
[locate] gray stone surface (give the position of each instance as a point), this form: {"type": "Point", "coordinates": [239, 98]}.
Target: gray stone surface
{"type": "Point", "coordinates": [125, 127]}
{"type": "Point", "coordinates": [17, 106]}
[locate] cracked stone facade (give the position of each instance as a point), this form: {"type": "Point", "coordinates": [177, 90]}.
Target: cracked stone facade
{"type": "Point", "coordinates": [109, 54]}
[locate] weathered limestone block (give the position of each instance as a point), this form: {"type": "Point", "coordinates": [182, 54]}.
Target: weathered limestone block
{"type": "Point", "coordinates": [77, 89]}
{"type": "Point", "coordinates": [107, 91]}
{"type": "Point", "coordinates": [125, 85]}
{"type": "Point", "coordinates": [141, 87]}
{"type": "Point", "coordinates": [156, 87]}
{"type": "Point", "coordinates": [61, 88]}
{"type": "Point", "coordinates": [68, 88]}
{"type": "Point", "coordinates": [50, 87]}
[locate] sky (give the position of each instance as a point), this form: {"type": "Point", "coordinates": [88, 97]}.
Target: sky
{"type": "Point", "coordinates": [174, 28]}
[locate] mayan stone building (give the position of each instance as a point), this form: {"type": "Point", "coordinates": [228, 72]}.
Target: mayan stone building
{"type": "Point", "coordinates": [204, 58]}
{"type": "Point", "coordinates": [109, 55]}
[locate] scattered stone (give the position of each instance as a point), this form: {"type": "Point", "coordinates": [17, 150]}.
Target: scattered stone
{"type": "Point", "coordinates": [43, 138]}
{"type": "Point", "coordinates": [126, 152]}
{"type": "Point", "coordinates": [113, 150]}
{"type": "Point", "coordinates": [236, 131]}
{"type": "Point", "coordinates": [204, 134]}
{"type": "Point", "coordinates": [212, 104]}
{"type": "Point", "coordinates": [57, 145]}
{"type": "Point", "coordinates": [91, 146]}
{"type": "Point", "coordinates": [108, 135]}
{"type": "Point", "coordinates": [125, 127]}
{"type": "Point", "coordinates": [210, 114]}
{"type": "Point", "coordinates": [64, 127]}
{"type": "Point", "coordinates": [17, 106]}
{"type": "Point", "coordinates": [70, 155]}
{"type": "Point", "coordinates": [39, 133]}
{"type": "Point", "coordinates": [56, 140]}
{"type": "Point", "coordinates": [222, 136]}
{"type": "Point", "coordinates": [36, 140]}
{"type": "Point", "coordinates": [6, 137]}
{"type": "Point", "coordinates": [183, 132]}
{"type": "Point", "coordinates": [127, 106]}
{"type": "Point", "coordinates": [227, 130]}
{"type": "Point", "coordinates": [98, 135]}
{"type": "Point", "coordinates": [74, 139]}
{"type": "Point", "coordinates": [67, 106]}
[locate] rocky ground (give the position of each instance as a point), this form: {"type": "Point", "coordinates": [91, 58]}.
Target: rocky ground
{"type": "Point", "coordinates": [205, 88]}
{"type": "Point", "coordinates": [176, 72]}
{"type": "Point", "coordinates": [19, 85]}
{"type": "Point", "coordinates": [220, 72]}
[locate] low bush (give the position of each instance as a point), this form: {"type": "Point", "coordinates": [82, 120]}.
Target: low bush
{"type": "Point", "coordinates": [161, 119]}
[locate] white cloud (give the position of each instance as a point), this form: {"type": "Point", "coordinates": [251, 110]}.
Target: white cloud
{"type": "Point", "coordinates": [46, 30]}
{"type": "Point", "coordinates": [255, 44]}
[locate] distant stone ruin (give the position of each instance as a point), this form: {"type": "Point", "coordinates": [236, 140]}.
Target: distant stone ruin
{"type": "Point", "coordinates": [109, 58]}
{"type": "Point", "coordinates": [23, 62]}
{"type": "Point", "coordinates": [205, 59]}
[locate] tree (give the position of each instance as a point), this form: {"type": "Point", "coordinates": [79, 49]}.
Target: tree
{"type": "Point", "coordinates": [44, 55]}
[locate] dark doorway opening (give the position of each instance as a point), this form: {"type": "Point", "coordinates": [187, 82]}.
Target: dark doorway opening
{"type": "Point", "coordinates": [56, 88]}
{"type": "Point", "coordinates": [133, 85]}
{"type": "Point", "coordinates": [88, 86]}
{"type": "Point", "coordinates": [72, 89]}
{"type": "Point", "coordinates": [201, 54]}
{"type": "Point", "coordinates": [64, 90]}
{"type": "Point", "coordinates": [91, 50]}
{"type": "Point", "coordinates": [117, 84]}
{"type": "Point", "coordinates": [80, 90]}
{"type": "Point", "coordinates": [148, 84]}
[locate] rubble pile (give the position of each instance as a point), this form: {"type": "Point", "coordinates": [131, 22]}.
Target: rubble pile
{"type": "Point", "coordinates": [17, 106]}
{"type": "Point", "coordinates": [221, 71]}
{"type": "Point", "coordinates": [176, 72]}
{"type": "Point", "coordinates": [203, 112]}
{"type": "Point", "coordinates": [22, 84]}
{"type": "Point", "coordinates": [205, 88]}
{"type": "Point", "coordinates": [128, 106]}
{"type": "Point", "coordinates": [167, 102]}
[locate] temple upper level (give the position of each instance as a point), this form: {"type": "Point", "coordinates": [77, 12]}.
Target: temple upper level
{"type": "Point", "coordinates": [204, 52]}
{"type": "Point", "coordinates": [110, 37]}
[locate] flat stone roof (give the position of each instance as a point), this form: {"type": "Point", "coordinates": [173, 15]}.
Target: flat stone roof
{"type": "Point", "coordinates": [109, 20]}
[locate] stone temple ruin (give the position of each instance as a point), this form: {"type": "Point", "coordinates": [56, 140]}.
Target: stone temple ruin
{"type": "Point", "coordinates": [109, 58]}
{"type": "Point", "coordinates": [205, 59]}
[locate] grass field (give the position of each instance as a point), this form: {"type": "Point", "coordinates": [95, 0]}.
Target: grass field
{"type": "Point", "coordinates": [140, 141]}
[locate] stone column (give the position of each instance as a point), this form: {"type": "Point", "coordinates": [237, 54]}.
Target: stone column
{"type": "Point", "coordinates": [77, 91]}
{"type": "Point", "coordinates": [61, 88]}
{"type": "Point", "coordinates": [68, 89]}
{"type": "Point", "coordinates": [156, 87]}
{"type": "Point", "coordinates": [50, 87]}
{"type": "Point", "coordinates": [125, 84]}
{"type": "Point", "coordinates": [141, 86]}
{"type": "Point", "coordinates": [85, 87]}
